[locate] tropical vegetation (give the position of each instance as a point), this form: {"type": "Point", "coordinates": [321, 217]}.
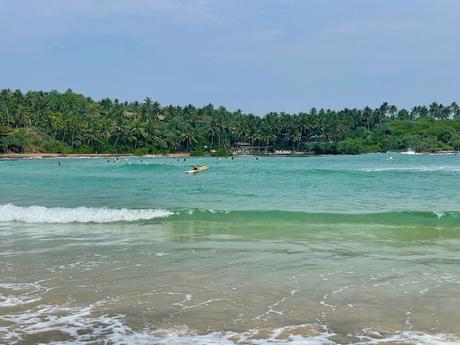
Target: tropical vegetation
{"type": "Point", "coordinates": [69, 122]}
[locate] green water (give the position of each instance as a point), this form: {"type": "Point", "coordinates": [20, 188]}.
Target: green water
{"type": "Point", "coordinates": [337, 184]}
{"type": "Point", "coordinates": [314, 250]}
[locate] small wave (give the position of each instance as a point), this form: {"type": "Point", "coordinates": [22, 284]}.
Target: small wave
{"type": "Point", "coordinates": [40, 214]}
{"type": "Point", "coordinates": [63, 324]}
{"type": "Point", "coordinates": [15, 294]}
{"type": "Point", "coordinates": [414, 169]}
{"type": "Point", "coordinates": [392, 218]}
{"type": "Point", "coordinates": [144, 166]}
{"type": "Point", "coordinates": [385, 169]}
{"type": "Point", "coordinates": [112, 330]}
{"type": "Point", "coordinates": [290, 335]}
{"type": "Point", "coordinates": [410, 337]}
{"type": "Point", "coordinates": [439, 214]}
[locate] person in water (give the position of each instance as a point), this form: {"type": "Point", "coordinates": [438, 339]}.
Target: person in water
{"type": "Point", "coordinates": [59, 163]}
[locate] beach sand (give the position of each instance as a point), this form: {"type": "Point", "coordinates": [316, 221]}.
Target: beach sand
{"type": "Point", "coordinates": [79, 155]}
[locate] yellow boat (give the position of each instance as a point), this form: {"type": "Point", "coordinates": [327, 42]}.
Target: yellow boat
{"type": "Point", "coordinates": [197, 169]}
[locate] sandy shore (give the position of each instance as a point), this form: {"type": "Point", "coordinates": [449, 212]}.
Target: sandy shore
{"type": "Point", "coordinates": [78, 155]}
{"type": "Point", "coordinates": [173, 155]}
{"type": "Point", "coordinates": [55, 155]}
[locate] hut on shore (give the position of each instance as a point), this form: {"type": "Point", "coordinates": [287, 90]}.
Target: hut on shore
{"type": "Point", "coordinates": [243, 148]}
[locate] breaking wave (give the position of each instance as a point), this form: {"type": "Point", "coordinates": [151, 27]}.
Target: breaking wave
{"type": "Point", "coordinates": [40, 214]}
{"type": "Point", "coordinates": [61, 215]}
{"type": "Point", "coordinates": [413, 169]}
{"type": "Point", "coordinates": [428, 218]}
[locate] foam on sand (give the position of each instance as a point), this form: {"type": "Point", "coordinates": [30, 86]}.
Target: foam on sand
{"type": "Point", "coordinates": [29, 321]}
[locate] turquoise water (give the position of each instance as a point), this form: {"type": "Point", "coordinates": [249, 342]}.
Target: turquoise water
{"type": "Point", "coordinates": [336, 184]}
{"type": "Point", "coordinates": [304, 250]}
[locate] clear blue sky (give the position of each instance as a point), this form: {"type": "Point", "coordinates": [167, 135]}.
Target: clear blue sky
{"type": "Point", "coordinates": [259, 56]}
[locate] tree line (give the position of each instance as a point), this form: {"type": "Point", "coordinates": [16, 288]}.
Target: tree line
{"type": "Point", "coordinates": [69, 122]}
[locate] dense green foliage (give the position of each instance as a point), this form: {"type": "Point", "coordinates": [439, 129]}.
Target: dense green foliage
{"type": "Point", "coordinates": [69, 122]}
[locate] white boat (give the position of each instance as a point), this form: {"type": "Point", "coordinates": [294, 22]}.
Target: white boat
{"type": "Point", "coordinates": [409, 151]}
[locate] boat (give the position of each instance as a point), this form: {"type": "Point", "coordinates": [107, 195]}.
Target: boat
{"type": "Point", "coordinates": [197, 169]}
{"type": "Point", "coordinates": [409, 151]}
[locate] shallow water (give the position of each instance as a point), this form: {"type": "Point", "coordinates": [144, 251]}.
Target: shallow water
{"type": "Point", "coordinates": [317, 250]}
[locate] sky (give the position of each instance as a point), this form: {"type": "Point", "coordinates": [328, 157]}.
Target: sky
{"type": "Point", "coordinates": [254, 55]}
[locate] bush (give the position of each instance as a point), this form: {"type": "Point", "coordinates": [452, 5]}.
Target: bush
{"type": "Point", "coordinates": [141, 151]}
{"type": "Point", "coordinates": [55, 146]}
{"type": "Point", "coordinates": [14, 143]}
{"type": "Point", "coordinates": [389, 143]}
{"type": "Point", "coordinates": [222, 152]}
{"type": "Point", "coordinates": [455, 143]}
{"type": "Point", "coordinates": [352, 146]}
{"type": "Point", "coordinates": [197, 153]}
{"type": "Point", "coordinates": [325, 147]}
{"type": "Point", "coordinates": [84, 149]}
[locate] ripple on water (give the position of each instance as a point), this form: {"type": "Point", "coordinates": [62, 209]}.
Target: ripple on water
{"type": "Point", "coordinates": [16, 294]}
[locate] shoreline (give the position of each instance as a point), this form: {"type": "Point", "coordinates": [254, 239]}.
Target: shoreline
{"type": "Point", "coordinates": [31, 155]}
{"type": "Point", "coordinates": [83, 155]}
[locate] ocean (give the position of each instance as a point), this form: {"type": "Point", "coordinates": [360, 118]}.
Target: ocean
{"type": "Point", "coordinates": [298, 250]}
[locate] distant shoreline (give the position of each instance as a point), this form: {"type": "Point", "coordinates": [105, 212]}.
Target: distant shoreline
{"type": "Point", "coordinates": [81, 155]}
{"type": "Point", "coordinates": [7, 156]}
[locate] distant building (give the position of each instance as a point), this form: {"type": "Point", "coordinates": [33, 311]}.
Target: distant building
{"type": "Point", "coordinates": [242, 148]}
{"type": "Point", "coordinates": [283, 152]}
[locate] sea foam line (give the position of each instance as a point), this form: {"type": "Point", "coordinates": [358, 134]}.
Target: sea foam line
{"type": "Point", "coordinates": [413, 169]}
{"type": "Point", "coordinates": [112, 329]}
{"type": "Point", "coordinates": [40, 214]}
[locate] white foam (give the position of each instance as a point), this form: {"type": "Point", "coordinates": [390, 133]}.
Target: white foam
{"type": "Point", "coordinates": [444, 168]}
{"type": "Point", "coordinates": [410, 152]}
{"type": "Point", "coordinates": [12, 301]}
{"type": "Point", "coordinates": [15, 294]}
{"type": "Point", "coordinates": [413, 337]}
{"type": "Point", "coordinates": [439, 214]}
{"type": "Point", "coordinates": [113, 330]}
{"type": "Point", "coordinates": [183, 336]}
{"type": "Point", "coordinates": [250, 337]}
{"type": "Point", "coordinates": [39, 214]}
